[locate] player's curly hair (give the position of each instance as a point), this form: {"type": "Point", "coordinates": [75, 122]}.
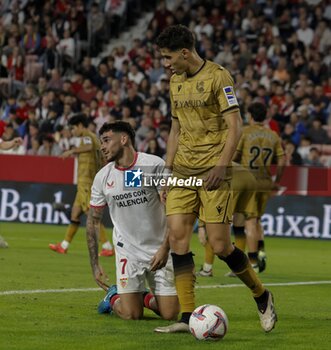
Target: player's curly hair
{"type": "Point", "coordinates": [175, 38]}
{"type": "Point", "coordinates": [119, 126]}
{"type": "Point", "coordinates": [258, 111]}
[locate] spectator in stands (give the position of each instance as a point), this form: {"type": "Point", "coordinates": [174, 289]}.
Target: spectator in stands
{"type": "Point", "coordinates": [87, 93]}
{"type": "Point", "coordinates": [291, 134]}
{"type": "Point", "coordinates": [48, 146]}
{"type": "Point", "coordinates": [154, 148]}
{"type": "Point", "coordinates": [313, 158]}
{"type": "Point", "coordinates": [134, 102]}
{"type": "Point", "coordinates": [51, 57]}
{"type": "Point", "coordinates": [87, 69]}
{"type": "Point", "coordinates": [96, 25]}
{"type": "Point", "coordinates": [135, 74]}
{"type": "Point", "coordinates": [30, 41]}
{"type": "Point", "coordinates": [317, 134]}
{"type": "Point", "coordinates": [55, 82]}
{"type": "Point", "coordinates": [66, 49]}
{"type": "Point", "coordinates": [291, 155]}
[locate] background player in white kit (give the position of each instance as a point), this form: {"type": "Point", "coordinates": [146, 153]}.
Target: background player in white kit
{"type": "Point", "coordinates": [139, 235]}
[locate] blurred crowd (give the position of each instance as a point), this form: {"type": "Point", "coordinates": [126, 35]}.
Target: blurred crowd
{"type": "Point", "coordinates": [279, 53]}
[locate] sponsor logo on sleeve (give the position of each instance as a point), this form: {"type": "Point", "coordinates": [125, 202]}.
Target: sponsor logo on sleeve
{"type": "Point", "coordinates": [230, 95]}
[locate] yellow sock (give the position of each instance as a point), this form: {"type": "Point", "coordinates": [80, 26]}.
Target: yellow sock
{"type": "Point", "coordinates": [71, 231]}
{"type": "Point", "coordinates": [184, 281]}
{"type": "Point", "coordinates": [240, 265]}
{"type": "Point", "coordinates": [239, 237]}
{"type": "Point", "coordinates": [240, 242]}
{"type": "Point", "coordinates": [249, 277]}
{"type": "Point", "coordinates": [209, 254]}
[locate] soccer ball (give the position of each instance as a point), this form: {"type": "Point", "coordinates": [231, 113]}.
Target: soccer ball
{"type": "Point", "coordinates": [208, 322]}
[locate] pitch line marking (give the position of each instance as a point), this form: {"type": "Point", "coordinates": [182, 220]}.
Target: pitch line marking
{"type": "Point", "coordinates": [73, 290]}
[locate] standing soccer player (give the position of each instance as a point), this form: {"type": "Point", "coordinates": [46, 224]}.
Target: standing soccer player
{"type": "Point", "coordinates": [4, 145]}
{"type": "Point", "coordinates": [205, 131]}
{"type": "Point", "coordinates": [256, 150]}
{"type": "Point", "coordinates": [89, 162]}
{"type": "Point", "coordinates": [139, 235]}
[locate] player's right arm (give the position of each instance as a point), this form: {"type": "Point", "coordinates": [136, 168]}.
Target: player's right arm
{"type": "Point", "coordinates": [92, 233]}
{"type": "Point", "coordinates": [172, 146]}
{"type": "Point", "coordinates": [172, 143]}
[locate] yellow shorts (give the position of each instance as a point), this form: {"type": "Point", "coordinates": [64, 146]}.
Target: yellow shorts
{"type": "Point", "coordinates": [244, 192]}
{"type": "Point", "coordinates": [264, 187]}
{"type": "Point", "coordinates": [83, 197]}
{"type": "Point", "coordinates": [210, 206]}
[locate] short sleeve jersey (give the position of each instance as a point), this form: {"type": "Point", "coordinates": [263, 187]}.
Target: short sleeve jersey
{"type": "Point", "coordinates": [199, 103]}
{"type": "Point", "coordinates": [258, 146]}
{"type": "Point", "coordinates": [137, 213]}
{"type": "Point", "coordinates": [88, 162]}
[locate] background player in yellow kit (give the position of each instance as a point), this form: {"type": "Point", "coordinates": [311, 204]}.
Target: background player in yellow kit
{"type": "Point", "coordinates": [205, 131]}
{"type": "Point", "coordinates": [257, 149]}
{"type": "Point", "coordinates": [89, 163]}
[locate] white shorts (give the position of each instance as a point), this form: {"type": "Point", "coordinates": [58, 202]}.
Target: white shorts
{"type": "Point", "coordinates": [131, 275]}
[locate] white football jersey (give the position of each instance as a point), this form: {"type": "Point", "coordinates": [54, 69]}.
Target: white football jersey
{"type": "Point", "coordinates": [134, 204]}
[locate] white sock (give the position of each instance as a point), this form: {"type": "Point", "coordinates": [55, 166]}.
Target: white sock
{"type": "Point", "coordinates": [207, 267]}
{"type": "Point", "coordinates": [107, 245]}
{"type": "Point", "coordinates": [65, 244]}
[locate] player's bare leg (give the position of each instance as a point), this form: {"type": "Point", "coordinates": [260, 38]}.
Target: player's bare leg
{"type": "Point", "coordinates": [168, 306]}
{"type": "Point", "coordinates": [220, 240]}
{"type": "Point", "coordinates": [73, 227]}
{"type": "Point", "coordinates": [262, 257]}
{"type": "Point", "coordinates": [180, 232]}
{"type": "Point", "coordinates": [252, 242]}
{"type": "Point", "coordinates": [129, 306]}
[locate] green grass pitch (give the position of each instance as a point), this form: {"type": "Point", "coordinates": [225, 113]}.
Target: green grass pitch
{"type": "Point", "coordinates": [69, 320]}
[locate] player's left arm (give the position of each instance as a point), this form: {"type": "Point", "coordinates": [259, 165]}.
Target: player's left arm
{"type": "Point", "coordinates": [217, 174]}
{"type": "Point", "coordinates": [92, 233]}
{"type": "Point", "coordinates": [281, 162]}
{"type": "Point", "coordinates": [85, 146]}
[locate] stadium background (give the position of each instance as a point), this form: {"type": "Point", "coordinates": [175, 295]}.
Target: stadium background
{"type": "Point", "coordinates": [63, 56]}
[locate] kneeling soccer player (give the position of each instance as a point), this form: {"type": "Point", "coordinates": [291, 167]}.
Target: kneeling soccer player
{"type": "Point", "coordinates": [140, 232]}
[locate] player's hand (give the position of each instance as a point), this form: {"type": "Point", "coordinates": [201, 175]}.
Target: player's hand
{"type": "Point", "coordinates": [202, 235]}
{"type": "Point", "coordinates": [214, 178]}
{"type": "Point", "coordinates": [67, 154]}
{"type": "Point", "coordinates": [100, 277]}
{"type": "Point", "coordinates": [275, 186]}
{"type": "Point", "coordinates": [160, 258]}
{"type": "Point", "coordinates": [163, 194]}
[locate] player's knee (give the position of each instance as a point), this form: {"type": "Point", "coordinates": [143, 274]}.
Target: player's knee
{"type": "Point", "coordinates": [132, 315]}
{"type": "Point", "coordinates": [221, 248]}
{"type": "Point", "coordinates": [170, 315]}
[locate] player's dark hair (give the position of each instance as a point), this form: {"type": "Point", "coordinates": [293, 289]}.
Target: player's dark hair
{"type": "Point", "coordinates": [175, 38]}
{"type": "Point", "coordinates": [119, 126]}
{"type": "Point", "coordinates": [258, 111]}
{"type": "Point", "coordinates": [79, 118]}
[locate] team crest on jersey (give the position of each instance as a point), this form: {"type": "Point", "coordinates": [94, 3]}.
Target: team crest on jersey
{"type": "Point", "coordinates": [133, 178]}
{"type": "Point", "coordinates": [123, 282]}
{"type": "Point", "coordinates": [230, 95]}
{"type": "Point", "coordinates": [200, 86]}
